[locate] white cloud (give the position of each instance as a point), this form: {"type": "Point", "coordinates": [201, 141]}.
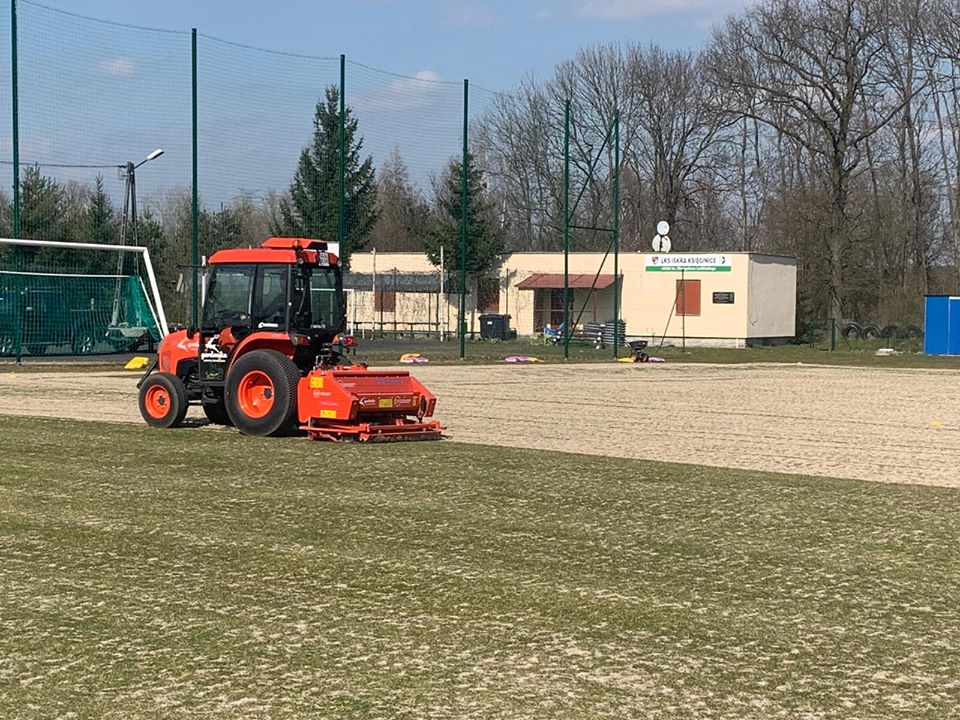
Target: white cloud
{"type": "Point", "coordinates": [471, 15]}
{"type": "Point", "coordinates": [428, 75]}
{"type": "Point", "coordinates": [416, 91]}
{"type": "Point", "coordinates": [550, 10]}
{"type": "Point", "coordinates": [118, 67]}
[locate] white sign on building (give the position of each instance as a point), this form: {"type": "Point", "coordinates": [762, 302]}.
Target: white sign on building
{"type": "Point", "coordinates": [688, 263]}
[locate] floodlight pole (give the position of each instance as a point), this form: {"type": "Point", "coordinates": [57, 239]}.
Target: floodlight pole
{"type": "Point", "coordinates": [129, 219]}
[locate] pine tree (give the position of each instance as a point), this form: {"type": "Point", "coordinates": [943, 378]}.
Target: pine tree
{"type": "Point", "coordinates": [312, 207]}
{"type": "Point", "coordinates": [100, 221]}
{"type": "Point", "coordinates": [41, 207]}
{"type": "Point", "coordinates": [485, 234]}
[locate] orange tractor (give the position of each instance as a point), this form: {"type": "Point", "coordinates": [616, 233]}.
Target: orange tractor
{"type": "Point", "coordinates": [265, 358]}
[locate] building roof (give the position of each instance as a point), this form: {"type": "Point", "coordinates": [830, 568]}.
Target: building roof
{"type": "Point", "coordinates": [554, 281]}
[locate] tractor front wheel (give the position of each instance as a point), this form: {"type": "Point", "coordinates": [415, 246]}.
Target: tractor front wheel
{"type": "Point", "coordinates": [163, 400]}
{"type": "Point", "coordinates": [261, 393]}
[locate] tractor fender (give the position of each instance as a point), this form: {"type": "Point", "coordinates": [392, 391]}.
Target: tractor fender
{"type": "Point", "coordinates": [263, 341]}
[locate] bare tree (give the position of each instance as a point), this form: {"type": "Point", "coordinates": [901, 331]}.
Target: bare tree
{"type": "Point", "coordinates": [809, 64]}
{"type": "Point", "coordinates": [680, 116]}
{"type": "Point", "coordinates": [402, 212]}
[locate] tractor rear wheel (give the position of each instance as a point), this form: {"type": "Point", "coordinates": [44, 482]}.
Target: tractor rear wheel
{"type": "Point", "coordinates": [163, 400]}
{"type": "Point", "coordinates": [261, 393]}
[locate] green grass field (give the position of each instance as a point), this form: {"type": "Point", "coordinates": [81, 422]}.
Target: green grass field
{"type": "Point", "coordinates": [198, 573]}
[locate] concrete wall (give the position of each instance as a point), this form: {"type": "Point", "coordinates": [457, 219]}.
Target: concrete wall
{"type": "Point", "coordinates": [764, 290]}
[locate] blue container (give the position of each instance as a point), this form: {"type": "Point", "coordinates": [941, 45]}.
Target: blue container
{"type": "Point", "coordinates": [941, 325]}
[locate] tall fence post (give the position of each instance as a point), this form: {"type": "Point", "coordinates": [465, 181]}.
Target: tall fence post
{"type": "Point", "coordinates": [195, 200]}
{"type": "Point", "coordinates": [462, 320]}
{"type": "Point", "coordinates": [342, 169]}
{"type": "Point", "coordinates": [566, 231]}
{"type": "Point", "coordinates": [19, 300]}
{"type": "Point", "coordinates": [616, 235]}
{"type": "Point", "coordinates": [16, 119]}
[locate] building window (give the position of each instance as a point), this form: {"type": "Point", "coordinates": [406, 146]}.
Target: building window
{"type": "Point", "coordinates": [385, 301]}
{"type": "Point", "coordinates": [688, 297]}
{"type": "Point", "coordinates": [488, 295]}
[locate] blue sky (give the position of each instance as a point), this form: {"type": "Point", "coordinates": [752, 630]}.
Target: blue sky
{"type": "Point", "coordinates": [494, 43]}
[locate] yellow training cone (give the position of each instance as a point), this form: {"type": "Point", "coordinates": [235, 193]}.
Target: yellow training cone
{"type": "Point", "coordinates": [137, 363]}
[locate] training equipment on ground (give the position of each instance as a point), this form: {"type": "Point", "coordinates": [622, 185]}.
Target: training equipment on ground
{"type": "Point", "coordinates": [413, 359]}
{"type": "Point", "coordinates": [266, 357]}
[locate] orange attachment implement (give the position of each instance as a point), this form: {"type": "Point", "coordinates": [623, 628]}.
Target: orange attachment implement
{"type": "Point", "coordinates": [366, 405]}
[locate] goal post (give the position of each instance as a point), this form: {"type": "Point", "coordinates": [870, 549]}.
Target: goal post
{"type": "Point", "coordinates": [78, 295]}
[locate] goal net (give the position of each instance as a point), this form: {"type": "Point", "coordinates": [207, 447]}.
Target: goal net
{"type": "Point", "coordinates": [76, 298]}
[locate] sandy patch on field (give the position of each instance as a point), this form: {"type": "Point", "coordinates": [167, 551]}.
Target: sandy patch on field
{"type": "Point", "coordinates": [869, 424]}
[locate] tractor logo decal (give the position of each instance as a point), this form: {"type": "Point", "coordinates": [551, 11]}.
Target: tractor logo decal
{"type": "Point", "coordinates": [212, 351]}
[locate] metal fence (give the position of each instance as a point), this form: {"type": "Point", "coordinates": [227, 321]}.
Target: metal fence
{"type": "Point", "coordinates": [243, 131]}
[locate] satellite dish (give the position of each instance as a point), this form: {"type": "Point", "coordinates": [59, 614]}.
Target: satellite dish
{"type": "Point", "coordinates": [663, 227]}
{"type": "Point", "coordinates": [661, 243]}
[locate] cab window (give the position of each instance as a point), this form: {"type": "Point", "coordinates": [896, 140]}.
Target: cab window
{"type": "Point", "coordinates": [270, 297]}
{"type": "Point", "coordinates": [325, 310]}
{"type": "Point", "coordinates": [228, 296]}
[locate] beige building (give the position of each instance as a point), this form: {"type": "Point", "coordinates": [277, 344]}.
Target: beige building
{"type": "Point", "coordinates": [726, 299]}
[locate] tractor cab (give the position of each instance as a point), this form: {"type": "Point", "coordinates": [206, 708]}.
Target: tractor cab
{"type": "Point", "coordinates": [288, 292]}
{"type": "Point", "coordinates": [251, 291]}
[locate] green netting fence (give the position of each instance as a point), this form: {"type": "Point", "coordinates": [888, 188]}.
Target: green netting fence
{"type": "Point", "coordinates": [255, 143]}
{"type": "Point", "coordinates": [62, 302]}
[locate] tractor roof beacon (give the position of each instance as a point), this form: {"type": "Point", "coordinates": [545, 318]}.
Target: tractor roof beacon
{"type": "Point", "coordinates": [265, 357]}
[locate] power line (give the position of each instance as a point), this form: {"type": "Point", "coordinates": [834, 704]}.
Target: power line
{"type": "Point", "coordinates": [62, 165]}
